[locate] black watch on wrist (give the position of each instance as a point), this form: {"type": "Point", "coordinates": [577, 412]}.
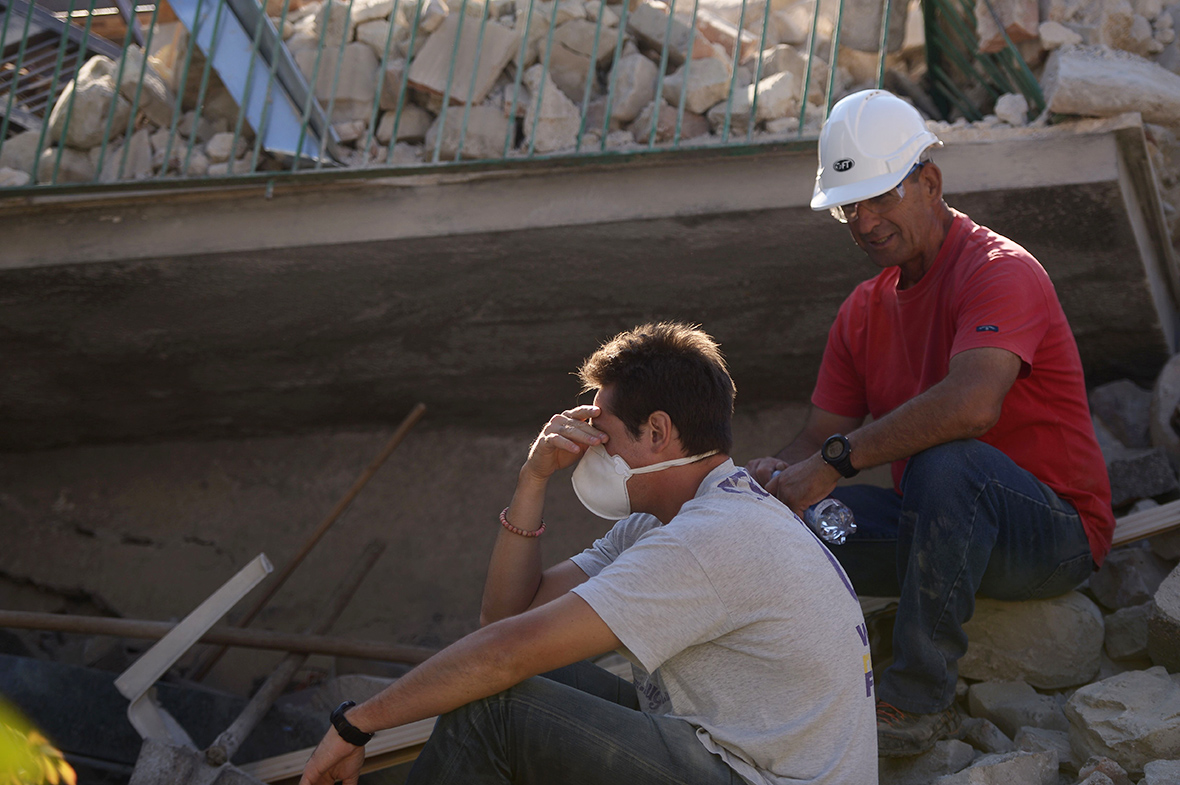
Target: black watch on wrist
{"type": "Point", "coordinates": [837, 453]}
{"type": "Point", "coordinates": [349, 732]}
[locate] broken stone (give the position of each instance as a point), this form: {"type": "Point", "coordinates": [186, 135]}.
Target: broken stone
{"type": "Point", "coordinates": [1011, 705]}
{"type": "Point", "coordinates": [609, 17]}
{"type": "Point", "coordinates": [1033, 768]}
{"type": "Point", "coordinates": [778, 96]}
{"type": "Point", "coordinates": [573, 55]}
{"type": "Point", "coordinates": [552, 121]}
{"type": "Point", "coordinates": [95, 97]}
{"type": "Point", "coordinates": [198, 165]}
{"type": "Point", "coordinates": [1165, 397]}
{"type": "Point", "coordinates": [1163, 624]}
{"type": "Point", "coordinates": [19, 151]}
{"type": "Point", "coordinates": [635, 79]}
{"type": "Point", "coordinates": [1161, 772]}
{"type": "Point", "coordinates": [1126, 632]}
{"type": "Point", "coordinates": [1132, 718]}
{"type": "Point", "coordinates": [787, 58]}
{"type": "Point", "coordinates": [692, 125]}
{"type": "Point", "coordinates": [415, 122]}
{"type": "Point", "coordinates": [391, 85]}
{"type": "Point", "coordinates": [156, 101]}
{"type": "Point", "coordinates": [1019, 18]}
{"type": "Point", "coordinates": [719, 31]}
{"type": "Point", "coordinates": [335, 14]}
{"type": "Point", "coordinates": [139, 156]}
{"type": "Point", "coordinates": [708, 84]}
{"type": "Point", "coordinates": [347, 132]}
{"type": "Point", "coordinates": [430, 69]}
{"type": "Point", "coordinates": [1166, 545]}
{"type": "Point", "coordinates": [376, 34]}
{"type": "Point", "coordinates": [433, 14]}
{"type": "Point", "coordinates": [75, 166]}
{"type": "Point", "coordinates": [1055, 34]}
{"type": "Point", "coordinates": [404, 153]}
{"type": "Point", "coordinates": [356, 86]}
{"type": "Point", "coordinates": [947, 757]}
{"type": "Point", "coordinates": [739, 115]}
{"type": "Point", "coordinates": [860, 26]}
{"type": "Point", "coordinates": [1012, 108]}
{"type": "Point", "coordinates": [983, 734]}
{"type": "Point", "coordinates": [648, 22]}
{"type": "Point", "coordinates": [1030, 739]}
{"type": "Point", "coordinates": [487, 128]}
{"type": "Point", "coordinates": [1125, 408]}
{"type": "Point", "coordinates": [1099, 82]}
{"type": "Point", "coordinates": [13, 178]}
{"type": "Point", "coordinates": [1129, 576]}
{"type": "Point", "coordinates": [218, 149]}
{"type": "Point", "coordinates": [225, 168]}
{"type": "Point", "coordinates": [1107, 768]}
{"type": "Point", "coordinates": [1122, 28]}
{"type": "Point", "coordinates": [203, 128]}
{"type": "Point", "coordinates": [1134, 474]}
{"type": "Point", "coordinates": [1050, 644]}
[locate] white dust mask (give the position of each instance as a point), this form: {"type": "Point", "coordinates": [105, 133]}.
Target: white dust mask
{"type": "Point", "coordinates": [600, 480]}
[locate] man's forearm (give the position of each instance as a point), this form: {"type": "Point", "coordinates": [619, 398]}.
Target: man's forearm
{"type": "Point", "coordinates": [514, 573]}
{"type": "Point", "coordinates": [800, 449]}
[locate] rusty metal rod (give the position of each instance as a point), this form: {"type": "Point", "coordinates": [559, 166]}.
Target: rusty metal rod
{"type": "Point", "coordinates": [227, 743]}
{"type": "Point", "coordinates": [206, 663]}
{"type": "Point", "coordinates": [226, 636]}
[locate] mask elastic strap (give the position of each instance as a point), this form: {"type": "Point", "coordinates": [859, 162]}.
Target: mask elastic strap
{"type": "Point", "coordinates": [655, 467]}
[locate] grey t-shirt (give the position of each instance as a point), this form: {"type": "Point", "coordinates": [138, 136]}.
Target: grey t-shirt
{"type": "Point", "coordinates": [737, 619]}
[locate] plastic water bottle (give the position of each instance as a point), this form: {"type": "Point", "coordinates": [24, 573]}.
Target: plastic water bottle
{"type": "Point", "coordinates": [831, 520]}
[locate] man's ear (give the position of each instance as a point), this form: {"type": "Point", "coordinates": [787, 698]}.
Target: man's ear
{"type": "Point", "coordinates": [661, 433]}
{"type": "Point", "coordinates": [930, 176]}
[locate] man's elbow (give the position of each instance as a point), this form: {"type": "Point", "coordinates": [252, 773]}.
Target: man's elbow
{"type": "Point", "coordinates": [980, 417]}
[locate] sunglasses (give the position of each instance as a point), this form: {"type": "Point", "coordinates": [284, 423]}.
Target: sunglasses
{"type": "Point", "coordinates": [878, 204]}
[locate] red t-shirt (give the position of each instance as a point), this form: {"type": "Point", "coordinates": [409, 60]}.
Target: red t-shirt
{"type": "Point", "coordinates": [983, 290]}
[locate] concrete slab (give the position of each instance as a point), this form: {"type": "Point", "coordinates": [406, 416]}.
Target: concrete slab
{"type": "Point", "coordinates": [317, 303]}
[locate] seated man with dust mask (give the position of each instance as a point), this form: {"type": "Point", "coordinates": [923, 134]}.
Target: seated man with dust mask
{"type": "Point", "coordinates": [748, 647]}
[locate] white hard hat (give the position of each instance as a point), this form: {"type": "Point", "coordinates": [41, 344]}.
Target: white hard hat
{"type": "Point", "coordinates": [868, 145]}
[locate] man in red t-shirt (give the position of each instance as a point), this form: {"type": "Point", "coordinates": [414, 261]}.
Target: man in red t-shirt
{"type": "Point", "coordinates": [961, 353]}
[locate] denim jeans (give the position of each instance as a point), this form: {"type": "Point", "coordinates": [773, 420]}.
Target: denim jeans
{"type": "Point", "coordinates": [968, 521]}
{"type": "Point", "coordinates": [579, 725]}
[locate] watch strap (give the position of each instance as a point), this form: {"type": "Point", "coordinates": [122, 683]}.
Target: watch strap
{"type": "Point", "coordinates": [349, 732]}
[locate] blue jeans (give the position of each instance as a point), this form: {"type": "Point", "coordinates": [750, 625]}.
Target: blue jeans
{"type": "Point", "coordinates": [579, 725]}
{"type": "Point", "coordinates": [968, 521]}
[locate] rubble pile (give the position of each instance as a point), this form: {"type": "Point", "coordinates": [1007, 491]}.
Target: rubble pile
{"type": "Point", "coordinates": [513, 86]}
{"type": "Point", "coordinates": [1084, 688]}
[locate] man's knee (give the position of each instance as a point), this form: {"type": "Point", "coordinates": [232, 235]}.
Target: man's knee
{"type": "Point", "coordinates": [944, 467]}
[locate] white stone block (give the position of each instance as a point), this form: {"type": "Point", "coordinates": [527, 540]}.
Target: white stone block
{"type": "Point", "coordinates": [1095, 82]}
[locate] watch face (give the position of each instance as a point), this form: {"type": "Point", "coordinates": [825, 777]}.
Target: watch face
{"type": "Point", "coordinates": [833, 449]}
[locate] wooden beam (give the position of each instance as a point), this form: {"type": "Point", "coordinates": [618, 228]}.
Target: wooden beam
{"type": "Point", "coordinates": [229, 636]}
{"type": "Point", "coordinates": [388, 748]}
{"type": "Point", "coordinates": [1147, 523]}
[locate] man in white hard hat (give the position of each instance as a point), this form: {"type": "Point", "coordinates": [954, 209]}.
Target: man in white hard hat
{"type": "Point", "coordinates": [961, 353]}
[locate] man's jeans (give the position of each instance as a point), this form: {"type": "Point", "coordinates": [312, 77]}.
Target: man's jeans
{"type": "Point", "coordinates": [969, 521]}
{"type": "Point", "coordinates": [578, 725]}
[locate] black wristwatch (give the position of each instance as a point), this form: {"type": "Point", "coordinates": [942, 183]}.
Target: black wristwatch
{"type": "Point", "coordinates": [837, 453]}
{"type": "Point", "coordinates": [349, 732]}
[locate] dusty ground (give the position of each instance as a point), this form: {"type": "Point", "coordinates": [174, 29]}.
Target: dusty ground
{"type": "Point", "coordinates": [149, 530]}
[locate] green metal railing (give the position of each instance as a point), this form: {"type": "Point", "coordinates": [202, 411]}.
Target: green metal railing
{"type": "Point", "coordinates": [251, 95]}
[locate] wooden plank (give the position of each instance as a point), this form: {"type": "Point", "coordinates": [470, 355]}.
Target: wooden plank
{"type": "Point", "coordinates": [1147, 523]}
{"type": "Point", "coordinates": [389, 747]}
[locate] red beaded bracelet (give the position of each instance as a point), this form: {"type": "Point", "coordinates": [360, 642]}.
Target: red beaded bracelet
{"type": "Point", "coordinates": [504, 522]}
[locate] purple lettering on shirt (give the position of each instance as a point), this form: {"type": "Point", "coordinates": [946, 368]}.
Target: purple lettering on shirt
{"type": "Point", "coordinates": [868, 684]}
{"type": "Point", "coordinates": [863, 631]}
{"type": "Point", "coordinates": [741, 482]}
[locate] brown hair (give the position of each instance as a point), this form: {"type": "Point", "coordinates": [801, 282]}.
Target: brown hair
{"type": "Point", "coordinates": [670, 367]}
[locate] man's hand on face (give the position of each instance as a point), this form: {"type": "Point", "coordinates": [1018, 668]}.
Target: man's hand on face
{"type": "Point", "coordinates": [563, 440]}
{"type": "Point", "coordinates": [334, 760]}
